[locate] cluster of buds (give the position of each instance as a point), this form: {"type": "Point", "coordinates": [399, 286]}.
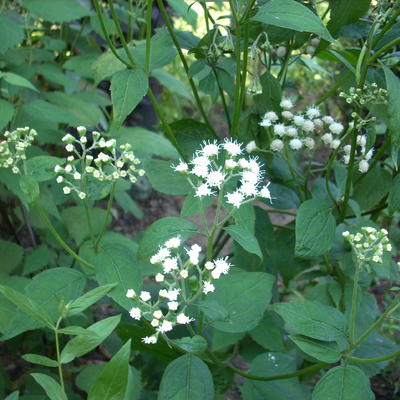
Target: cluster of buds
{"type": "Point", "coordinates": [314, 42]}
{"type": "Point", "coordinates": [369, 244]}
{"type": "Point", "coordinates": [101, 159]}
{"type": "Point", "coordinates": [13, 148]}
{"type": "Point", "coordinates": [300, 130]}
{"type": "Point", "coordinates": [362, 155]}
{"type": "Point", "coordinates": [183, 279]}
{"type": "Point", "coordinates": [368, 94]}
{"type": "Point", "coordinates": [218, 163]}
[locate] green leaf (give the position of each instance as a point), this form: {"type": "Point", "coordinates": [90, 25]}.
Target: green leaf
{"type": "Point", "coordinates": [164, 179]}
{"type": "Point", "coordinates": [41, 360]}
{"type": "Point", "coordinates": [89, 298]}
{"type": "Point", "coordinates": [194, 205]}
{"type": "Point", "coordinates": [343, 383]}
{"type": "Point", "coordinates": [125, 201]}
{"type": "Point", "coordinates": [313, 319]}
{"type": "Point", "coordinates": [56, 10]}
{"type": "Point", "coordinates": [315, 229]}
{"type": "Point", "coordinates": [11, 256]}
{"type": "Point", "coordinates": [172, 84]}
{"type": "Point", "coordinates": [394, 195]}
{"type": "Point", "coordinates": [267, 333]}
{"type": "Point", "coordinates": [144, 141]}
{"type": "Point", "coordinates": [13, 396]}
{"type": "Point", "coordinates": [184, 11]}
{"type": "Point", "coordinates": [245, 238]}
{"type": "Point", "coordinates": [17, 80]}
{"type": "Point", "coordinates": [273, 364]}
{"type": "Point", "coordinates": [50, 386]}
{"type": "Point", "coordinates": [292, 15]}
{"type": "Point", "coordinates": [40, 109]}
{"type": "Point", "coordinates": [271, 95]}
{"type": "Point", "coordinates": [323, 351]}
{"type": "Point", "coordinates": [30, 188]}
{"type": "Point", "coordinates": [393, 88]}
{"type": "Point", "coordinates": [244, 295]}
{"type": "Point", "coordinates": [162, 230]}
{"type": "Point", "coordinates": [113, 380]}
{"type": "Point", "coordinates": [6, 111]}
{"type": "Point", "coordinates": [42, 167]}
{"type": "Point", "coordinates": [187, 377]}
{"type": "Point", "coordinates": [105, 66]}
{"type": "Point", "coordinates": [195, 344]}
{"type": "Point", "coordinates": [84, 343]}
{"type": "Point", "coordinates": [82, 65]}
{"type": "Point", "coordinates": [128, 88]}
{"type": "Point", "coordinates": [54, 74]}
{"type": "Point", "coordinates": [11, 33]}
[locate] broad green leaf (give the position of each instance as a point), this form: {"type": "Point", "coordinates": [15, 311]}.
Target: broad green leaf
{"type": "Point", "coordinates": [323, 351]}
{"type": "Point", "coordinates": [53, 73]}
{"type": "Point", "coordinates": [172, 84]}
{"type": "Point", "coordinates": [273, 364]}
{"type": "Point", "coordinates": [245, 296]}
{"type": "Point", "coordinates": [164, 179]}
{"type": "Point", "coordinates": [13, 396]}
{"type": "Point", "coordinates": [144, 141]}
{"type": "Point", "coordinates": [194, 205]}
{"type": "Point", "coordinates": [17, 80]}
{"type": "Point", "coordinates": [184, 11]}
{"type": "Point", "coordinates": [88, 376]}
{"type": "Point", "coordinates": [75, 221]}
{"type": "Point", "coordinates": [393, 88]}
{"type": "Point", "coordinates": [41, 360]}
{"type": "Point", "coordinates": [344, 382]}
{"type": "Point", "coordinates": [89, 298]}
{"type": "Point", "coordinates": [187, 377]}
{"type": "Point", "coordinates": [394, 195]}
{"type": "Point", "coordinates": [84, 343]}
{"type": "Point", "coordinates": [196, 344]}
{"type": "Point", "coordinates": [42, 167]}
{"type": "Point", "coordinates": [313, 319]}
{"type": "Point", "coordinates": [6, 111]}
{"type": "Point", "coordinates": [82, 64]}
{"type": "Point", "coordinates": [292, 15]}
{"type": "Point", "coordinates": [267, 333]}
{"type": "Point", "coordinates": [128, 88]}
{"type": "Point", "coordinates": [113, 380]}
{"type": "Point", "coordinates": [105, 66]}
{"type": "Point", "coordinates": [40, 109]}
{"type": "Point", "coordinates": [222, 340]}
{"type": "Point", "coordinates": [162, 230]}
{"type": "Point", "coordinates": [11, 33]}
{"type": "Point", "coordinates": [11, 256]}
{"type": "Point", "coordinates": [30, 188]}
{"type": "Point", "coordinates": [245, 238]}
{"type": "Point", "coordinates": [56, 10]}
{"type": "Point", "coordinates": [50, 386]}
{"type": "Point", "coordinates": [315, 229]}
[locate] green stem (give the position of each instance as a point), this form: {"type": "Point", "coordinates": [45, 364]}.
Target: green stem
{"type": "Point", "coordinates": [89, 221]}
{"type": "Point", "coordinates": [242, 96]}
{"type": "Point", "coordinates": [373, 360]}
{"type": "Point", "coordinates": [184, 63]}
{"type": "Point", "coordinates": [354, 303]}
{"type": "Point", "coordinates": [149, 14]}
{"type": "Point", "coordinates": [108, 211]}
{"type": "Point", "coordinates": [60, 240]}
{"type": "Point", "coordinates": [58, 355]}
{"type": "Point", "coordinates": [222, 95]}
{"type": "Point", "coordinates": [383, 49]}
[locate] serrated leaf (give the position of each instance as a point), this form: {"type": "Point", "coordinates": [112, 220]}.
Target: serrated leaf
{"type": "Point", "coordinates": [11, 33]}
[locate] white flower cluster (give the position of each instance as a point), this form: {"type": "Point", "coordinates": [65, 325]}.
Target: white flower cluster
{"type": "Point", "coordinates": [217, 163]}
{"type": "Point", "coordinates": [101, 159]}
{"type": "Point", "coordinates": [13, 148]}
{"type": "Point", "coordinates": [369, 244]}
{"type": "Point", "coordinates": [362, 155]}
{"type": "Point", "coordinates": [300, 130]}
{"type": "Point", "coordinates": [173, 298]}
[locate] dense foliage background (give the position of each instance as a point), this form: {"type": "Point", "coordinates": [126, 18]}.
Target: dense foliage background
{"type": "Point", "coordinates": [266, 132]}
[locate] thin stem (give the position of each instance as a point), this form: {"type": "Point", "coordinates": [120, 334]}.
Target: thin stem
{"type": "Point", "coordinates": [244, 70]}
{"type": "Point", "coordinates": [184, 63]}
{"type": "Point", "coordinates": [373, 360]}
{"type": "Point", "coordinates": [60, 240]}
{"type": "Point", "coordinates": [383, 49]}
{"type": "Point", "coordinates": [222, 95]}
{"type": "Point", "coordinates": [58, 355]}
{"type": "Point", "coordinates": [108, 211]}
{"type": "Point", "coordinates": [354, 303]}
{"type": "Point", "coordinates": [149, 14]}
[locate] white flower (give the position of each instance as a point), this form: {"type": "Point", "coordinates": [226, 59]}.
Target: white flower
{"type": "Point", "coordinates": [184, 273]}
{"type": "Point", "coordinates": [170, 264]}
{"type": "Point", "coordinates": [230, 164]}
{"type": "Point", "coordinates": [203, 190]}
{"type": "Point", "coordinates": [248, 189]}
{"type": "Point", "coordinates": [145, 296]}
{"type": "Point", "coordinates": [345, 233]}
{"type": "Point", "coordinates": [336, 128]}
{"type": "Point", "coordinates": [308, 126]}
{"type": "Point", "coordinates": [149, 340]}
{"type": "Point", "coordinates": [265, 193]}
{"type": "Point", "coordinates": [166, 326]}
{"type": "Point", "coordinates": [327, 138]}
{"type": "Point", "coordinates": [298, 120]}
{"type": "Point", "coordinates": [135, 313]}
{"type": "Point", "coordinates": [210, 149]}
{"type": "Point", "coordinates": [194, 254]}
{"type": "Point", "coordinates": [215, 274]}
{"type": "Point", "coordinates": [157, 314]}
{"type": "Point", "coordinates": [215, 178]}
{"type": "Point", "coordinates": [250, 176]}
{"type": "Point", "coordinates": [183, 319]}
{"type": "Point", "coordinates": [232, 147]}
{"type": "Point", "coordinates": [66, 190]}
{"type": "Point", "coordinates": [58, 169]}
{"type": "Point", "coordinates": [173, 243]}
{"type": "Point", "coordinates": [171, 295]}
{"type": "Point", "coordinates": [313, 112]}
{"type": "Point", "coordinates": [81, 130]}
{"type": "Point", "coordinates": [279, 129]}
{"type": "Point", "coordinates": [369, 154]}
{"type": "Point", "coordinates": [77, 176]}
{"type": "Point", "coordinates": [362, 140]}
{"type": "Point", "coordinates": [328, 119]}
{"type": "Point", "coordinates": [69, 147]}
{"type": "Point", "coordinates": [209, 265]}
{"type": "Point", "coordinates": [318, 122]}
{"type": "Point", "coordinates": [235, 198]}
{"type": "Point", "coordinates": [208, 287]}
{"type": "Point", "coordinates": [295, 144]}
{"type": "Point", "coordinates": [347, 149]}
{"type": "Point", "coordinates": [251, 146]}
{"type": "Point", "coordinates": [82, 195]}
{"type": "Point", "coordinates": [173, 305]}
{"type": "Point", "coordinates": [287, 114]}
{"type": "Point", "coordinates": [363, 166]}
{"type": "Point", "coordinates": [163, 253]}
{"type": "Point", "coordinates": [309, 142]}
{"type": "Point", "coordinates": [83, 140]}
{"type": "Point", "coordinates": [200, 170]}
{"type": "Point", "coordinates": [159, 277]}
{"type": "Point", "coordinates": [59, 179]}
{"type": "Point", "coordinates": [68, 168]}
{"type": "Point", "coordinates": [265, 122]}
{"type": "Point", "coordinates": [276, 145]}
{"type": "Point", "coordinates": [130, 294]}
{"type": "Point", "coordinates": [286, 103]}
{"type": "Point", "coordinates": [270, 116]}
{"type": "Point", "coordinates": [334, 144]}
{"type": "Point", "coordinates": [155, 322]}
{"type": "Point", "coordinates": [222, 265]}
{"type": "Point", "coordinates": [201, 160]}
{"type": "Point", "coordinates": [281, 51]}
{"type": "Point", "coordinates": [181, 167]}
{"type": "Point", "coordinates": [68, 138]}
{"type": "Point", "coordinates": [291, 131]}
